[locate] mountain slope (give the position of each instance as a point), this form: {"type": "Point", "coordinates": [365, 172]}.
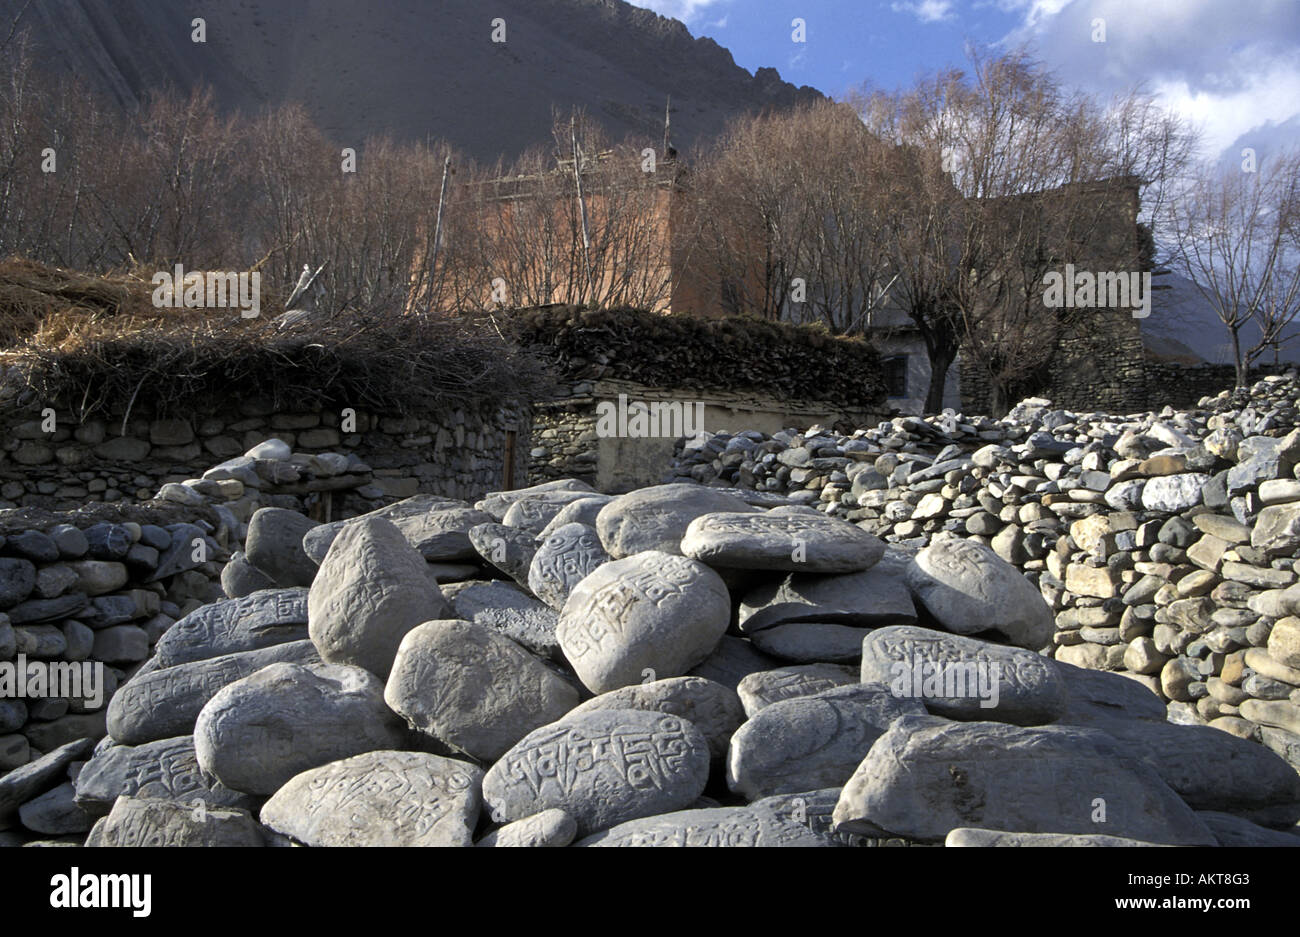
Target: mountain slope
{"type": "Point", "coordinates": [412, 68]}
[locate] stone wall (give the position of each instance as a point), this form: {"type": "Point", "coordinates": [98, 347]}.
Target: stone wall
{"type": "Point", "coordinates": [570, 442]}
{"type": "Point", "coordinates": [68, 461]}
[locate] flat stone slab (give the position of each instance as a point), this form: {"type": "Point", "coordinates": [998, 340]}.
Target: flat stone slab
{"type": "Point", "coordinates": [166, 703]}
{"type": "Point", "coordinates": [712, 708]}
{"type": "Point", "coordinates": [511, 611]}
{"type": "Point", "coordinates": [473, 688]}
{"type": "Point", "coordinates": [797, 543]}
{"type": "Point", "coordinates": [927, 776]}
{"type": "Point", "coordinates": [380, 798]}
{"type": "Point", "coordinates": [656, 518]}
{"type": "Point", "coordinates": [535, 512]}
{"type": "Point", "coordinates": [508, 549]}
{"type": "Point", "coordinates": [255, 621]}
{"type": "Point", "coordinates": [972, 837]}
{"type": "Point", "coordinates": [437, 528]}
{"type": "Point", "coordinates": [807, 642]}
{"type": "Point", "coordinates": [497, 503]}
{"type": "Point", "coordinates": [258, 732]}
{"type": "Point", "coordinates": [766, 687]}
{"type": "Point", "coordinates": [36, 777]}
{"type": "Point", "coordinates": [811, 742]}
{"type": "Point", "coordinates": [151, 822]}
{"type": "Point", "coordinates": [733, 660]}
{"type": "Point", "coordinates": [274, 546]}
{"type": "Point", "coordinates": [969, 588]}
{"type": "Point", "coordinates": [1231, 830]}
{"type": "Point", "coordinates": [871, 599]}
{"type": "Point", "coordinates": [167, 769]}
{"type": "Point", "coordinates": [717, 827]}
{"type": "Point", "coordinates": [964, 678]}
{"type": "Point", "coordinates": [650, 615]}
{"type": "Point", "coordinates": [372, 588]}
{"type": "Point", "coordinates": [601, 768]}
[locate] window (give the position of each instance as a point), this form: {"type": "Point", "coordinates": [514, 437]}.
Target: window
{"type": "Point", "coordinates": [895, 369]}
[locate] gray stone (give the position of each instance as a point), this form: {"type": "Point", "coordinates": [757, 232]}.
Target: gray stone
{"type": "Point", "coordinates": [55, 813]}
{"type": "Point", "coordinates": [711, 707]}
{"type": "Point", "coordinates": [17, 580]}
{"type": "Point", "coordinates": [763, 688]}
{"type": "Point", "coordinates": [180, 554]}
{"type": "Point", "coordinates": [380, 798]}
{"type": "Point", "coordinates": [98, 577]}
{"type": "Point", "coordinates": [438, 528]}
{"type": "Point", "coordinates": [803, 642]}
{"type": "Point", "coordinates": [927, 776]}
{"type": "Point", "coordinates": [260, 620]}
{"type": "Point", "coordinates": [53, 581]}
{"type": "Point", "coordinates": [601, 768]}
{"type": "Point", "coordinates": [108, 541]}
{"type": "Point", "coordinates": [260, 731]}
{"type": "Point", "coordinates": [649, 612]}
{"type": "Point", "coordinates": [153, 822]}
{"type": "Point", "coordinates": [799, 543]}
{"type": "Point", "coordinates": [581, 511]}
{"type": "Point", "coordinates": [240, 577]}
{"type": "Point", "coordinates": [36, 777]}
{"type": "Point", "coordinates": [274, 546]}
{"type": "Point", "coordinates": [507, 548]}
{"type": "Point", "coordinates": [964, 678]}
{"type": "Point", "coordinates": [32, 545]}
{"type": "Point", "coordinates": [370, 591]}
{"type": "Point", "coordinates": [34, 611]}
{"type": "Point", "coordinates": [166, 703]}
{"type": "Point", "coordinates": [1230, 830]}
{"type": "Point", "coordinates": [1174, 493]}
{"type": "Point", "coordinates": [166, 769]}
{"type": "Point", "coordinates": [876, 597]}
{"type": "Point", "coordinates": [511, 611]}
{"type": "Point", "coordinates": [121, 644]}
{"type": "Point", "coordinates": [497, 503]}
{"type": "Point", "coordinates": [811, 742]}
{"type": "Point", "coordinates": [733, 660]}
{"type": "Point", "coordinates": [472, 688]}
{"type": "Point", "coordinates": [1277, 530]}
{"type": "Point", "coordinates": [657, 518]}
{"type": "Point", "coordinates": [70, 541]}
{"type": "Point", "coordinates": [566, 557]}
{"type": "Point", "coordinates": [965, 836]}
{"type": "Point", "coordinates": [969, 588]}
{"type": "Point", "coordinates": [716, 827]}
{"type": "Point", "coordinates": [550, 828]}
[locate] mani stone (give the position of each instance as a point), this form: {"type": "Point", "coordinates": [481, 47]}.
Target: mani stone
{"type": "Point", "coordinates": [258, 732]}
{"type": "Point", "coordinates": [167, 702]}
{"type": "Point", "coordinates": [370, 591]}
{"type": "Point", "coordinates": [927, 776]}
{"type": "Point", "coordinates": [656, 518]}
{"type": "Point", "coordinates": [535, 513]}
{"type": "Point", "coordinates": [563, 560]}
{"type": "Point", "coordinates": [150, 821]}
{"type": "Point", "coordinates": [601, 768]}
{"type": "Point", "coordinates": [438, 528]}
{"type": "Point", "coordinates": [802, 642]}
{"type": "Point", "coordinates": [966, 836]}
{"type": "Point", "coordinates": [715, 827]}
{"type": "Point", "coordinates": [167, 768]}
{"type": "Point", "coordinates": [870, 599]}
{"type": "Point", "coordinates": [551, 827]}
{"type": "Point", "coordinates": [380, 798]}
{"type": "Point", "coordinates": [733, 660]}
{"type": "Point", "coordinates": [581, 511]}
{"type": "Point", "coordinates": [240, 577]}
{"type": "Point", "coordinates": [964, 678]}
{"type": "Point", "coordinates": [509, 610]}
{"type": "Point", "coordinates": [472, 688]}
{"type": "Point", "coordinates": [813, 809]}
{"type": "Point", "coordinates": [36, 777]}
{"type": "Point", "coordinates": [507, 548]}
{"type": "Point", "coordinates": [274, 546]}
{"type": "Point", "coordinates": [765, 687]}
{"type": "Point", "coordinates": [799, 543]}
{"type": "Point", "coordinates": [711, 707]}
{"type": "Point", "coordinates": [813, 741]}
{"type": "Point", "coordinates": [497, 503]}
{"type": "Point", "coordinates": [969, 588]}
{"type": "Point", "coordinates": [651, 612]}
{"type": "Point", "coordinates": [260, 620]}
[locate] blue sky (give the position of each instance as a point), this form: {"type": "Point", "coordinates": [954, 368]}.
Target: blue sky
{"type": "Point", "coordinates": [1231, 66]}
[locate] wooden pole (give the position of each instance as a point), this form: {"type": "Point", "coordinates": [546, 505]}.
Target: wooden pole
{"type": "Point", "coordinates": [437, 231]}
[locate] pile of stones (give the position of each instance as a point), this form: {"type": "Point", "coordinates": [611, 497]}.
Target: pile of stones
{"type": "Point", "coordinates": [679, 665]}
{"type": "Point", "coordinates": [102, 593]}
{"type": "Point", "coordinates": [1164, 543]}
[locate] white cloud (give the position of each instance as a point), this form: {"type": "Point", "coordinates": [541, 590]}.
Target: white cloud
{"type": "Point", "coordinates": [684, 10]}
{"type": "Point", "coordinates": [927, 11]}
{"type": "Point", "coordinates": [1228, 66]}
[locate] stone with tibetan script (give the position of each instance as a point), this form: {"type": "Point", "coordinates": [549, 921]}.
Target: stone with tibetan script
{"type": "Point", "coordinates": [263, 619]}
{"type": "Point", "coordinates": [716, 827]}
{"type": "Point", "coordinates": [765, 687]}
{"type": "Point", "coordinates": [566, 557]}
{"type": "Point", "coordinates": [167, 769]}
{"type": "Point", "coordinates": [652, 615]}
{"type": "Point", "coordinates": [797, 543]}
{"type": "Point", "coordinates": [870, 599]}
{"type": "Point", "coordinates": [550, 828]}
{"type": "Point", "coordinates": [601, 768]}
{"type": "Point", "coordinates": [380, 798]}
{"type": "Point", "coordinates": [656, 518]}
{"type": "Point", "coordinates": [497, 503]}
{"type": "Point", "coordinates": [150, 821]}
{"type": "Point", "coordinates": [711, 707]}
{"type": "Point", "coordinates": [504, 607]}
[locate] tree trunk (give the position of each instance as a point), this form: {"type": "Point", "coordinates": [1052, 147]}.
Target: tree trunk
{"type": "Point", "coordinates": [1237, 360]}
{"type": "Point", "coordinates": [940, 363]}
{"type": "Point", "coordinates": [999, 403]}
